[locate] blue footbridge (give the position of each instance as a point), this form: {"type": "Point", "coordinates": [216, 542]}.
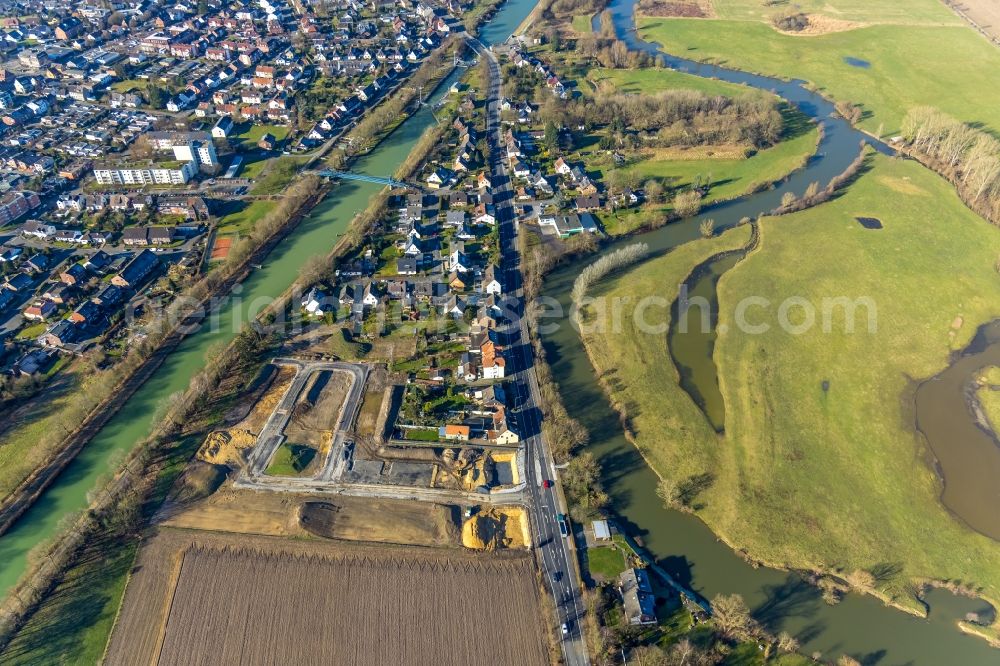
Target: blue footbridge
{"type": "Point", "coordinates": [363, 177]}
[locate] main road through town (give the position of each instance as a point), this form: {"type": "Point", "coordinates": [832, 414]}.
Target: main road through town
{"type": "Point", "coordinates": [557, 557]}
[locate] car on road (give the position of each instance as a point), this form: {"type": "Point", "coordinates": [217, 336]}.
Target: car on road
{"type": "Point", "coordinates": [565, 629]}
{"type": "Point", "coordinates": [563, 527]}
{"type": "Point", "coordinates": [547, 483]}
{"type": "Point", "coordinates": [557, 576]}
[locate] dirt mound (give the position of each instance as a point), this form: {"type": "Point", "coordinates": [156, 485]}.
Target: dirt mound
{"type": "Point", "coordinates": [226, 447]}
{"type": "Point", "coordinates": [820, 24]}
{"type": "Point", "coordinates": [198, 481]}
{"type": "Point", "coordinates": [381, 521]}
{"type": "Point", "coordinates": [319, 518]}
{"type": "Point", "coordinates": [496, 528]}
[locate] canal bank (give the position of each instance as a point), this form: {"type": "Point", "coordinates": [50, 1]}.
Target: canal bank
{"type": "Point", "coordinates": [316, 234]}
{"type": "Point", "coordinates": [860, 626]}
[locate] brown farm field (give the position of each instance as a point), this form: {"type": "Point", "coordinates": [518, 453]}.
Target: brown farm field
{"type": "Point", "coordinates": [982, 14]}
{"type": "Point", "coordinates": [198, 598]}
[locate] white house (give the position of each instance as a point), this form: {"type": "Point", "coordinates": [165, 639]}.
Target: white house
{"type": "Point", "coordinates": [315, 302]}
{"type": "Point", "coordinates": [490, 283]}
{"type": "Point", "coordinates": [223, 127]}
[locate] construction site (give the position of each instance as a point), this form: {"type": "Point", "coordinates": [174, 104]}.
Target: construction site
{"type": "Point", "coordinates": [310, 451]}
{"type": "Point", "coordinates": [317, 426]}
{"type": "Point", "coordinates": [300, 506]}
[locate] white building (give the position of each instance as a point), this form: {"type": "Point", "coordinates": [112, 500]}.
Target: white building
{"type": "Point", "coordinates": [151, 175]}
{"type": "Point", "coordinates": [202, 153]}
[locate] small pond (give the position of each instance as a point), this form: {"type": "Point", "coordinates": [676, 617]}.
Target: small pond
{"type": "Point", "coordinates": [857, 62]}
{"type": "Point", "coordinates": [869, 222]}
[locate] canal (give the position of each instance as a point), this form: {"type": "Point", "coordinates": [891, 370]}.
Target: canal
{"type": "Point", "coordinates": [316, 234]}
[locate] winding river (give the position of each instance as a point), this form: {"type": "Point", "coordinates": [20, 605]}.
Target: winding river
{"type": "Point", "coordinates": [859, 625]}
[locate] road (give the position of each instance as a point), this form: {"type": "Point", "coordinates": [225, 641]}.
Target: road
{"type": "Point", "coordinates": [556, 556]}
{"type": "Point", "coordinates": [272, 434]}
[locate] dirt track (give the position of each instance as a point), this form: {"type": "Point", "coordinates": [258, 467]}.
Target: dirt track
{"type": "Point", "coordinates": [258, 600]}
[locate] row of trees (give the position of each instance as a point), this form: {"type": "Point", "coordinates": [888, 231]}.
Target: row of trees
{"type": "Point", "coordinates": [612, 261]}
{"type": "Point", "coordinates": [678, 117]}
{"type": "Point", "coordinates": [612, 53]}
{"type": "Point", "coordinates": [813, 195]}
{"type": "Point", "coordinates": [968, 157]}
{"type": "Point", "coordinates": [563, 433]}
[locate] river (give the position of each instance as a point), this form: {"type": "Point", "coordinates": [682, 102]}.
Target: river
{"type": "Point", "coordinates": [316, 234]}
{"type": "Point", "coordinates": [681, 543]}
{"type": "Point", "coordinates": [859, 625]}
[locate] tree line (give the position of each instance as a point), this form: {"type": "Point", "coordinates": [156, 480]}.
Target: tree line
{"type": "Point", "coordinates": [677, 117]}
{"type": "Point", "coordinates": [966, 156]}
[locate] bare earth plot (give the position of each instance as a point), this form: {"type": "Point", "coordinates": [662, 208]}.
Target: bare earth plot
{"type": "Point", "coordinates": [198, 598]}
{"type": "Point", "coordinates": [983, 14]}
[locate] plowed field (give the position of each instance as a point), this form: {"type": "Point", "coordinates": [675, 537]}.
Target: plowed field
{"type": "Point", "coordinates": [270, 601]}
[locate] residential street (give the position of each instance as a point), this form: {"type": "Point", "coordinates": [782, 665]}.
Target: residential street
{"type": "Point", "coordinates": [556, 554]}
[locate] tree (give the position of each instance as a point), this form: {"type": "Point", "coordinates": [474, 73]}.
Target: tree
{"type": "Point", "coordinates": [607, 24]}
{"type": "Point", "coordinates": [582, 481]}
{"type": "Point", "coordinates": [788, 198]}
{"type": "Point", "coordinates": [787, 642]}
{"type": "Point", "coordinates": [551, 139]}
{"type": "Point", "coordinates": [654, 191]}
{"type": "Point", "coordinates": [313, 270]}
{"type": "Point", "coordinates": [686, 653]}
{"type": "Point", "coordinates": [669, 491]}
{"type": "Point", "coordinates": [707, 228]}
{"type": "Point", "coordinates": [732, 616]}
{"type": "Point", "coordinates": [688, 203]}
{"type": "Point", "coordinates": [156, 96]}
{"type": "Point", "coordinates": [648, 655]}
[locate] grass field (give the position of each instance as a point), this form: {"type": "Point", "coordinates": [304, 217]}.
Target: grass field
{"type": "Point", "coordinates": [730, 176]}
{"type": "Point", "coordinates": [291, 460]}
{"type": "Point", "coordinates": [911, 12]}
{"type": "Point", "coordinates": [581, 24]}
{"type": "Point", "coordinates": [845, 469]}
{"type": "Point", "coordinates": [654, 80]}
{"type": "Point", "coordinates": [242, 219]}
{"type": "Point", "coordinates": [73, 624]}
{"type": "Point", "coordinates": [734, 177]}
{"type": "Point", "coordinates": [605, 562]}
{"type": "Point", "coordinates": [670, 429]}
{"type": "Point", "coordinates": [840, 481]}
{"type": "Point", "coordinates": [277, 175]}
{"type": "Point", "coordinates": [21, 449]}
{"type": "Point", "coordinates": [31, 332]}
{"type": "Point", "coordinates": [948, 67]}
{"type": "Point", "coordinates": [203, 598]}
{"type": "Point", "coordinates": [250, 133]}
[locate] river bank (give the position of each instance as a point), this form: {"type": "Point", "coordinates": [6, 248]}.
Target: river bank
{"type": "Point", "coordinates": [859, 625]}
{"type": "Point", "coordinates": [684, 547]}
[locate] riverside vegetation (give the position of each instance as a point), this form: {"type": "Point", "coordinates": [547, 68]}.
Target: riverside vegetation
{"type": "Point", "coordinates": [833, 485]}
{"type": "Point", "coordinates": [900, 41]}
